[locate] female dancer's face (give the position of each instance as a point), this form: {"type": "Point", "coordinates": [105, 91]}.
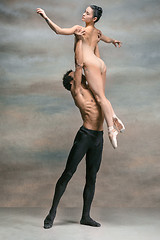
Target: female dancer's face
{"type": "Point", "coordinates": [88, 15]}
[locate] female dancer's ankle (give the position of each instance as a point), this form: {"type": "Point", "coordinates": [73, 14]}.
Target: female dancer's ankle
{"type": "Point", "coordinates": [110, 129]}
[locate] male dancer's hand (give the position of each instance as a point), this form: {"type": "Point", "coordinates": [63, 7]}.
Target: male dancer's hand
{"type": "Point", "coordinates": [41, 12]}
{"type": "Point", "coordinates": [80, 31]}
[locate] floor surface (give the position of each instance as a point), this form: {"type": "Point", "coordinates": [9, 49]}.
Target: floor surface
{"type": "Point", "coordinates": [116, 224]}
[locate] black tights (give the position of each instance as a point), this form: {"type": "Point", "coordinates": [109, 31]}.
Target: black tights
{"type": "Point", "coordinates": [87, 142]}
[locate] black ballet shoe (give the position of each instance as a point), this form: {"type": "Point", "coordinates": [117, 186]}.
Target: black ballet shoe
{"type": "Point", "coordinates": [48, 222]}
{"type": "Point", "coordinates": [89, 221]}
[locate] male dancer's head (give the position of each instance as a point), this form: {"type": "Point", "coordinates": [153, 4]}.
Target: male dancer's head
{"type": "Point", "coordinates": [68, 79]}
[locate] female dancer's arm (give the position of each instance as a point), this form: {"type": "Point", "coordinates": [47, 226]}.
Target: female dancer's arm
{"type": "Point", "coordinates": [56, 28]}
{"type": "Point", "coordinates": [110, 40]}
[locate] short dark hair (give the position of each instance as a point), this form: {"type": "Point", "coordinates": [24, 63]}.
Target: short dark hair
{"type": "Point", "coordinates": [97, 12]}
{"type": "Point", "coordinates": [67, 79]}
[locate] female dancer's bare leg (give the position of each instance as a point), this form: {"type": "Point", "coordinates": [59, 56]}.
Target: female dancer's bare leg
{"type": "Point", "coordinates": [117, 122]}
{"type": "Point", "coordinates": [103, 74]}
{"type": "Point", "coordinates": [96, 84]}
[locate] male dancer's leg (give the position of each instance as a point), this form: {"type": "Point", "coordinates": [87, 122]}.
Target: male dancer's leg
{"type": "Point", "coordinates": [93, 161]}
{"type": "Point", "coordinates": [76, 154]}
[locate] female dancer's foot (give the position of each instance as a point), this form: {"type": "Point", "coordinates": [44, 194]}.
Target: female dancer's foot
{"type": "Point", "coordinates": [48, 222]}
{"type": "Point", "coordinates": [118, 124]}
{"type": "Point", "coordinates": [89, 221]}
{"type": "Point", "coordinates": [112, 133]}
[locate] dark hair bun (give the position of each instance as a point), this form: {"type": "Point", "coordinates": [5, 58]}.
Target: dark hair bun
{"type": "Point", "coordinates": [100, 9]}
{"type": "Point", "coordinates": [97, 12]}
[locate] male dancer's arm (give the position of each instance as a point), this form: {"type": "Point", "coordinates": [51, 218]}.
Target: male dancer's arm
{"type": "Point", "coordinates": [78, 65]}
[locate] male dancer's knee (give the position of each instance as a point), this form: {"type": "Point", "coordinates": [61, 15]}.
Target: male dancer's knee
{"type": "Point", "coordinates": [91, 179]}
{"type": "Point", "coordinates": [91, 175]}
{"type": "Point", "coordinates": [65, 178]}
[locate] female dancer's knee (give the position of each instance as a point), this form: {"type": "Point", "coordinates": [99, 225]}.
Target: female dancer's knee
{"type": "Point", "coordinates": [101, 99]}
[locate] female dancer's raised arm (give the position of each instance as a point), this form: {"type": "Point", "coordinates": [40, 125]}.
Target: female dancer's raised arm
{"type": "Point", "coordinates": [55, 27]}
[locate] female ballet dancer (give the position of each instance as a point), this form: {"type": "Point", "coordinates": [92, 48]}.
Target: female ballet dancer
{"type": "Point", "coordinates": [94, 67]}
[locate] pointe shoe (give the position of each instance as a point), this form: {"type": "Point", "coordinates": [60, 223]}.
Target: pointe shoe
{"type": "Point", "coordinates": [118, 124]}
{"type": "Point", "coordinates": [113, 137]}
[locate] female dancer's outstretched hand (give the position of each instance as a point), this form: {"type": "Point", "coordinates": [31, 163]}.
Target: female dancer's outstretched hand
{"type": "Point", "coordinates": [41, 12]}
{"type": "Point", "coordinates": [117, 42]}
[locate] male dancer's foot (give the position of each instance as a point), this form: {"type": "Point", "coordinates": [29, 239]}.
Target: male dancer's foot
{"type": "Point", "coordinates": [118, 124]}
{"type": "Point", "coordinates": [48, 222]}
{"type": "Point", "coordinates": [89, 221]}
{"type": "Point", "coordinates": [112, 133]}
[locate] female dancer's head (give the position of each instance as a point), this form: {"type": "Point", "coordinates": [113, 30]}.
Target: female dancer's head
{"type": "Point", "coordinates": [92, 14]}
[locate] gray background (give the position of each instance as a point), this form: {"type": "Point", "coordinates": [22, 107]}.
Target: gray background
{"type": "Point", "coordinates": [39, 119]}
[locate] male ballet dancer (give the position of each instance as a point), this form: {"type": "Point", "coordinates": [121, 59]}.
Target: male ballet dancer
{"type": "Point", "coordinates": [88, 141]}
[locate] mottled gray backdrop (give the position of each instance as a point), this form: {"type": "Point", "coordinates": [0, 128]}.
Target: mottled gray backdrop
{"type": "Point", "coordinates": [39, 119]}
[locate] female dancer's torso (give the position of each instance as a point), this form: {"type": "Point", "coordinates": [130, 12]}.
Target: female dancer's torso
{"type": "Point", "coordinates": [90, 40]}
